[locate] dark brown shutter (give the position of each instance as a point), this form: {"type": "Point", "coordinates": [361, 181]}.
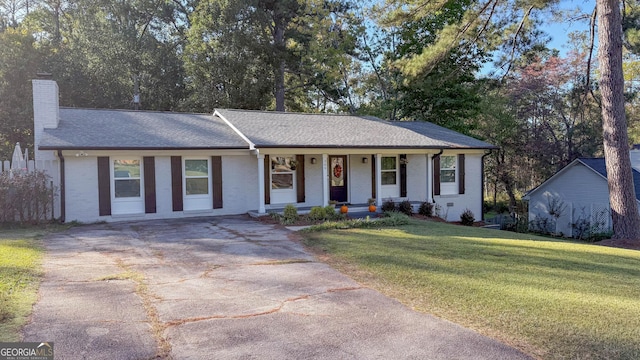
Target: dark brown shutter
{"type": "Point", "coordinates": [373, 176]}
{"type": "Point", "coordinates": [436, 175]}
{"type": "Point", "coordinates": [149, 164]}
{"type": "Point", "coordinates": [216, 181]}
{"type": "Point", "coordinates": [104, 186]}
{"type": "Point", "coordinates": [300, 177]}
{"type": "Point", "coordinates": [461, 173]}
{"type": "Point", "coordinates": [403, 175]}
{"type": "Point", "coordinates": [267, 180]}
{"type": "Point", "coordinates": [176, 182]}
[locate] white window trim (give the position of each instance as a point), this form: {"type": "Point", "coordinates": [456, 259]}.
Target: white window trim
{"type": "Point", "coordinates": [290, 195]}
{"type": "Point", "coordinates": [390, 190]}
{"type": "Point", "coordinates": [184, 178]}
{"type": "Point", "coordinates": [449, 188]}
{"type": "Point", "coordinates": [120, 203]}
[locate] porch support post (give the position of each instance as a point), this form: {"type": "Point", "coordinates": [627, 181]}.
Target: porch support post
{"type": "Point", "coordinates": [379, 180]}
{"type": "Point", "coordinates": [429, 178]}
{"type": "Point", "coordinates": [325, 179]}
{"type": "Point", "coordinates": [261, 189]}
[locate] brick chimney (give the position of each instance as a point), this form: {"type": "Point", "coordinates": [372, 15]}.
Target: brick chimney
{"type": "Point", "coordinates": [46, 111]}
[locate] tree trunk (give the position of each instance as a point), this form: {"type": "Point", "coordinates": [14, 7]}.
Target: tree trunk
{"type": "Point", "coordinates": [624, 209]}
{"type": "Point", "coordinates": [278, 39]}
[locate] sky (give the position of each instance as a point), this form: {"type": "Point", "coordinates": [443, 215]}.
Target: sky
{"type": "Point", "coordinates": [559, 30]}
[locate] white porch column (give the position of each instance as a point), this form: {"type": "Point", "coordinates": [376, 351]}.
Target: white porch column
{"type": "Point", "coordinates": [325, 179]}
{"type": "Point", "coordinates": [429, 178]}
{"type": "Point", "coordinates": [378, 180]}
{"type": "Point", "coordinates": [261, 189]}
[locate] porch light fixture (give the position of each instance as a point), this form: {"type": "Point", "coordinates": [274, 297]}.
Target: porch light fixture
{"type": "Point", "coordinates": [81, 154]}
{"type": "Point", "coordinates": [313, 160]}
{"type": "Point", "coordinates": [365, 160]}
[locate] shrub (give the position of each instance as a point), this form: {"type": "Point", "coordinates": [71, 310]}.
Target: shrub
{"type": "Point", "coordinates": [467, 218]}
{"type": "Point", "coordinates": [388, 205]}
{"type": "Point", "coordinates": [25, 197]}
{"type": "Point", "coordinates": [330, 212]}
{"type": "Point", "coordinates": [405, 207]}
{"type": "Point", "coordinates": [426, 209]}
{"type": "Point", "coordinates": [289, 215]}
{"type": "Point", "coordinates": [317, 213]}
{"type": "Point", "coordinates": [394, 218]}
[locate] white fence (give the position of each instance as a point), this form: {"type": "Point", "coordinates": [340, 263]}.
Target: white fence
{"type": "Point", "coordinates": [51, 169]}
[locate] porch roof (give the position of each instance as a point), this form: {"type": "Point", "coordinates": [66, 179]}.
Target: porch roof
{"type": "Point", "coordinates": [268, 129]}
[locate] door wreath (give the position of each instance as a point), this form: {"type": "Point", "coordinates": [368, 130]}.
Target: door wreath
{"type": "Point", "coordinates": [337, 171]}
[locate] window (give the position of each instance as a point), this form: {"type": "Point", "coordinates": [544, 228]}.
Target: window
{"type": "Point", "coordinates": [126, 178]}
{"type": "Point", "coordinates": [283, 169]}
{"type": "Point", "coordinates": [389, 170]}
{"type": "Point", "coordinates": [447, 169]}
{"type": "Point", "coordinates": [196, 175]}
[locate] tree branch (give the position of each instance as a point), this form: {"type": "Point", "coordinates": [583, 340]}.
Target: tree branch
{"type": "Point", "coordinates": [515, 41]}
{"type": "Point", "coordinates": [592, 32]}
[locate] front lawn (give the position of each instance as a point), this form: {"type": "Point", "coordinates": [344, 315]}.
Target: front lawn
{"type": "Point", "coordinates": [552, 299]}
{"type": "Point", "coordinates": [20, 273]}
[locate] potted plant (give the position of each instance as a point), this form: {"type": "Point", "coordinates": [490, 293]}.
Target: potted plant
{"type": "Point", "coordinates": [372, 205]}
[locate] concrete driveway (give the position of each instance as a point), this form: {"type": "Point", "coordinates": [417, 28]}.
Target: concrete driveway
{"type": "Point", "coordinates": [223, 288]}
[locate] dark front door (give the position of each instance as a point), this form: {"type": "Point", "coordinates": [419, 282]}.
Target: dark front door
{"type": "Point", "coordinates": [338, 178]}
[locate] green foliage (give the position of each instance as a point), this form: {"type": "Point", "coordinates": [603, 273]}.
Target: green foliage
{"type": "Point", "coordinates": [19, 61]}
{"type": "Point", "coordinates": [290, 214]}
{"type": "Point", "coordinates": [426, 209]}
{"type": "Point", "coordinates": [390, 220]}
{"type": "Point", "coordinates": [317, 213]}
{"type": "Point", "coordinates": [25, 197]}
{"type": "Point", "coordinates": [20, 272]}
{"type": "Point", "coordinates": [467, 218]}
{"type": "Point", "coordinates": [330, 211]}
{"type": "Point", "coordinates": [388, 205]}
{"type": "Point", "coordinates": [405, 207]}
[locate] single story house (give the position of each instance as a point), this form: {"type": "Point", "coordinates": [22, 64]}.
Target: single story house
{"type": "Point", "coordinates": [122, 165]}
{"type": "Point", "coordinates": [574, 199]}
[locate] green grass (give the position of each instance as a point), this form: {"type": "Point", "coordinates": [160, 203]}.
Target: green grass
{"type": "Point", "coordinates": [20, 273]}
{"type": "Point", "coordinates": [553, 299]}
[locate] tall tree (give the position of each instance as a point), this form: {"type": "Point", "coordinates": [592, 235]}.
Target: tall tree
{"type": "Point", "coordinates": [624, 208]}
{"type": "Point", "coordinates": [283, 47]}
{"type": "Point", "coordinates": [19, 62]}
{"type": "Point", "coordinates": [511, 18]}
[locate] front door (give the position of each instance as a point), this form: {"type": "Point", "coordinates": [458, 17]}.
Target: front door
{"type": "Point", "coordinates": [338, 178]}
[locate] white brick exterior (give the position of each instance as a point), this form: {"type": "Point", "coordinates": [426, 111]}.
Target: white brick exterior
{"type": "Point", "coordinates": [454, 205]}
{"type": "Point", "coordinates": [241, 176]}
{"type": "Point", "coordinates": [46, 113]}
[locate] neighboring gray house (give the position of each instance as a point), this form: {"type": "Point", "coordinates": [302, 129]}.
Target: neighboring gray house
{"type": "Point", "coordinates": [576, 194]}
{"type": "Point", "coordinates": [123, 165]}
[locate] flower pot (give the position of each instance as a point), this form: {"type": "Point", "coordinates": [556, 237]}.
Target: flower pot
{"type": "Point", "coordinates": [344, 209]}
{"type": "Point", "coordinates": [372, 208]}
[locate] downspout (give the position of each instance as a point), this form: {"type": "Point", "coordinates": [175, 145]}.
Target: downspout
{"type": "Point", "coordinates": [433, 157]}
{"type": "Point", "coordinates": [62, 187]}
{"type": "Point", "coordinates": [486, 153]}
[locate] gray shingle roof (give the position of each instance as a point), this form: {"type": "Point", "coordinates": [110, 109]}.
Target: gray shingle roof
{"type": "Point", "coordinates": [272, 129]}
{"type": "Point", "coordinates": [121, 129]}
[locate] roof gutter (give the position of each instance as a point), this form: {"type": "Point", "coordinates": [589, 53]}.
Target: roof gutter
{"type": "Point", "coordinates": [486, 153]}
{"type": "Point", "coordinates": [63, 212]}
